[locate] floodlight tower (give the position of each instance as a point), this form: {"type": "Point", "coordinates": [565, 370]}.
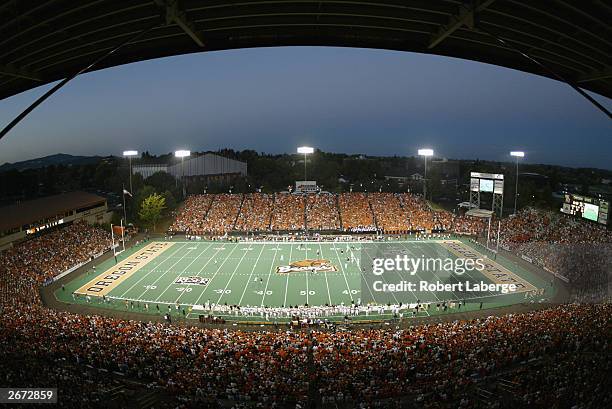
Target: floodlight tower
{"type": "Point", "coordinates": [129, 155]}
{"type": "Point", "coordinates": [305, 150]}
{"type": "Point", "coordinates": [182, 154]}
{"type": "Point", "coordinates": [425, 153]}
{"type": "Point", "coordinates": [517, 155]}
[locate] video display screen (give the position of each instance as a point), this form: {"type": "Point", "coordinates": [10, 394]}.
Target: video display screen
{"type": "Point", "coordinates": [486, 185]}
{"type": "Point", "coordinates": [589, 208]}
{"type": "Point", "coordinates": [590, 212]}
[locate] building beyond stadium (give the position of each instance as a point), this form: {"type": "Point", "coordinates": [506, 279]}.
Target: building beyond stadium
{"type": "Point", "coordinates": [18, 221]}
{"type": "Point", "coordinates": [209, 166]}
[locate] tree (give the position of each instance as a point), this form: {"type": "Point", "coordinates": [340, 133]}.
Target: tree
{"type": "Point", "coordinates": [151, 209]}
{"type": "Point", "coordinates": [139, 197]}
{"type": "Point", "coordinates": [162, 181]}
{"type": "Point", "coordinates": [170, 200]}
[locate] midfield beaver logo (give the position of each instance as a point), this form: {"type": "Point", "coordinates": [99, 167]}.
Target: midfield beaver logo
{"type": "Point", "coordinates": [192, 280]}
{"type": "Point", "coordinates": [319, 265]}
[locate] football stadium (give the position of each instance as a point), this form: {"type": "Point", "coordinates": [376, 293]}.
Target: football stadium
{"type": "Point", "coordinates": [305, 204]}
{"type": "Point", "coordinates": [280, 279]}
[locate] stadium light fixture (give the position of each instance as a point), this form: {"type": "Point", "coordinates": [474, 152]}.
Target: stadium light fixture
{"type": "Point", "coordinates": [130, 153]}
{"type": "Point", "coordinates": [517, 155]}
{"type": "Point", "coordinates": [425, 152]}
{"type": "Point", "coordinates": [182, 154]}
{"type": "Point", "coordinates": [305, 150]}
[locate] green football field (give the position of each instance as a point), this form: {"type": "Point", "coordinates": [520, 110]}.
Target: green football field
{"type": "Point", "coordinates": [198, 273]}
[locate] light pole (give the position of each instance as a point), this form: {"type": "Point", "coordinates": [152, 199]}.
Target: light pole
{"type": "Point", "coordinates": [129, 155]}
{"type": "Point", "coordinates": [182, 154]}
{"type": "Point", "coordinates": [517, 155]}
{"type": "Point", "coordinates": [305, 150]}
{"type": "Point", "coordinates": [425, 153]}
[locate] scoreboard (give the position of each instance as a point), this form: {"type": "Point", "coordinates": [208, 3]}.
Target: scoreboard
{"type": "Point", "coordinates": [487, 182]}
{"type": "Point", "coordinates": [306, 186]}
{"type": "Point", "coordinates": [492, 185]}
{"type": "Point", "coordinates": [586, 207]}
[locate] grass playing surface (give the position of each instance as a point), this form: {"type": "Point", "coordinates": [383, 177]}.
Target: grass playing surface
{"type": "Point", "coordinates": [246, 274]}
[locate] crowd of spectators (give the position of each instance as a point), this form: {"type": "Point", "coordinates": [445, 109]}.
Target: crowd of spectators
{"type": "Point", "coordinates": [576, 250]}
{"type": "Point", "coordinates": [556, 357]}
{"type": "Point", "coordinates": [27, 265]}
{"type": "Point", "coordinates": [222, 215]}
{"type": "Point", "coordinates": [256, 212]}
{"type": "Point", "coordinates": [420, 215]}
{"type": "Point", "coordinates": [322, 212]}
{"type": "Point", "coordinates": [355, 212]}
{"type": "Point", "coordinates": [552, 227]}
{"type": "Point", "coordinates": [437, 365]}
{"type": "Point", "coordinates": [190, 218]}
{"type": "Point", "coordinates": [288, 212]}
{"type": "Point", "coordinates": [389, 214]}
{"type": "Point", "coordinates": [468, 225]}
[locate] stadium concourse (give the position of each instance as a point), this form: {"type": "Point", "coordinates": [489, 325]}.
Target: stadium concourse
{"type": "Point", "coordinates": [554, 357]}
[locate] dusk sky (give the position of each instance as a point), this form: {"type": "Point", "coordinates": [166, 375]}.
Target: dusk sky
{"type": "Point", "coordinates": [336, 99]}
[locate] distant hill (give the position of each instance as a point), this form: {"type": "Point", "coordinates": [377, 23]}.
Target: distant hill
{"type": "Point", "coordinates": [57, 159]}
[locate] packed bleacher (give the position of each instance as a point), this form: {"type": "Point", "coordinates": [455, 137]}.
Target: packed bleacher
{"type": "Point", "coordinates": [222, 215]}
{"type": "Point", "coordinates": [556, 357]}
{"type": "Point", "coordinates": [255, 213]}
{"type": "Point", "coordinates": [28, 265]}
{"type": "Point", "coordinates": [576, 250]}
{"type": "Point", "coordinates": [351, 212]}
{"type": "Point", "coordinates": [390, 215]}
{"type": "Point", "coordinates": [467, 225]}
{"type": "Point", "coordinates": [356, 213]}
{"type": "Point", "coordinates": [190, 218]}
{"type": "Point", "coordinates": [420, 216]}
{"type": "Point", "coordinates": [322, 212]}
{"type": "Point", "coordinates": [553, 227]}
{"type": "Point", "coordinates": [288, 212]}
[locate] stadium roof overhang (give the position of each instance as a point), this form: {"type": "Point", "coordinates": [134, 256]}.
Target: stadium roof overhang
{"type": "Point", "coordinates": [44, 41]}
{"type": "Point", "coordinates": [32, 211]}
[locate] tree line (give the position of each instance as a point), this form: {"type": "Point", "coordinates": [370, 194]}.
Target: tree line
{"type": "Point", "coordinates": [334, 172]}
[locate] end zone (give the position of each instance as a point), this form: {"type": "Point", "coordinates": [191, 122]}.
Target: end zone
{"type": "Point", "coordinates": [492, 270]}
{"type": "Point", "coordinates": [111, 278]}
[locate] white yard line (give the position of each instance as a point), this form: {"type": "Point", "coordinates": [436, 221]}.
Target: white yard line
{"type": "Point", "coordinates": [307, 289]}
{"type": "Point", "coordinates": [232, 276]}
{"type": "Point", "coordinates": [432, 272]}
{"type": "Point", "coordinates": [251, 275]}
{"type": "Point", "coordinates": [343, 274]}
{"type": "Point", "coordinates": [201, 269]}
{"type": "Point", "coordinates": [326, 280]}
{"type": "Point", "coordinates": [361, 275]}
{"type": "Point", "coordinates": [268, 280]}
{"type": "Point", "coordinates": [172, 281]}
{"type": "Point", "coordinates": [287, 282]}
{"type": "Point", "coordinates": [150, 271]}
{"type": "Point", "coordinates": [382, 277]}
{"type": "Point", "coordinates": [402, 275]}
{"type": "Point", "coordinates": [215, 275]}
